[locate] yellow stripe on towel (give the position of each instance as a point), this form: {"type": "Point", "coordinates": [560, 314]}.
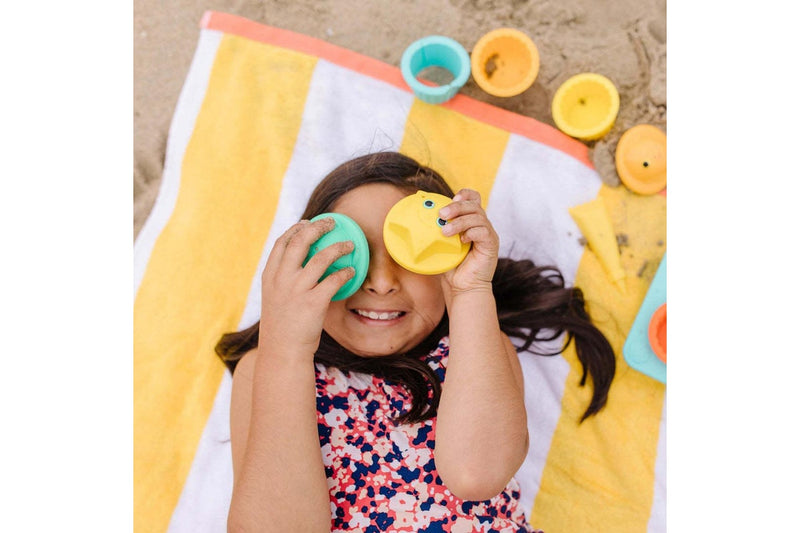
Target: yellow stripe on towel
{"type": "Point", "coordinates": [199, 274]}
{"type": "Point", "coordinates": [600, 474]}
{"type": "Point", "coordinates": [465, 151]}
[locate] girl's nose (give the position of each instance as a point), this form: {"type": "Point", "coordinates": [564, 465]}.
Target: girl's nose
{"type": "Point", "coordinates": [382, 275]}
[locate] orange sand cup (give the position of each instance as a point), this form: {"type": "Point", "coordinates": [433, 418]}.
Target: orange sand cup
{"type": "Point", "coordinates": [505, 62]}
{"type": "Point", "coordinates": [641, 159]}
{"type": "Point", "coordinates": [586, 106]}
{"type": "Point", "coordinates": [657, 332]}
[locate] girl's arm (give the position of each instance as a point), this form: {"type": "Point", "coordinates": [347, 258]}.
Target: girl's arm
{"type": "Point", "coordinates": [481, 429]}
{"type": "Point", "coordinates": [279, 477]}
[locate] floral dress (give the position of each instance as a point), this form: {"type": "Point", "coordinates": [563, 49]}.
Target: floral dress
{"type": "Point", "coordinates": [383, 477]}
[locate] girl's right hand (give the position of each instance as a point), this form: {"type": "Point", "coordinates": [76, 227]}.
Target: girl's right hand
{"type": "Point", "coordinates": [293, 300]}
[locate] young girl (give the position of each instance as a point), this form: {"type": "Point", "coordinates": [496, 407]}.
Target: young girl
{"type": "Point", "coordinates": [400, 408]}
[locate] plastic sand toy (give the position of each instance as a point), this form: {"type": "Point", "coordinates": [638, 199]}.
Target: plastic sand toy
{"type": "Point", "coordinates": [346, 229]}
{"type": "Point", "coordinates": [505, 62]}
{"type": "Point", "coordinates": [412, 233]}
{"type": "Point", "coordinates": [641, 159]}
{"type": "Point", "coordinates": [435, 51]}
{"type": "Point", "coordinates": [641, 351]}
{"type": "Point", "coordinates": [586, 106]}
{"type": "Point", "coordinates": [593, 221]}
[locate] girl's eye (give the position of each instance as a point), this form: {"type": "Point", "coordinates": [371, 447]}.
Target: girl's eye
{"type": "Point", "coordinates": [428, 204]}
{"type": "Point", "coordinates": [441, 222]}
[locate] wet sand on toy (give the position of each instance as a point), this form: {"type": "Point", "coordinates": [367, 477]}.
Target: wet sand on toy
{"type": "Point", "coordinates": [625, 40]}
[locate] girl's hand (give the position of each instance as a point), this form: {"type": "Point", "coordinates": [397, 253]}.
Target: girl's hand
{"type": "Point", "coordinates": [293, 300]}
{"type": "Point", "coordinates": [466, 216]}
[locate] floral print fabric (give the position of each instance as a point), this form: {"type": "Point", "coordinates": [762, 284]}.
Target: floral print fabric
{"type": "Point", "coordinates": [383, 477]}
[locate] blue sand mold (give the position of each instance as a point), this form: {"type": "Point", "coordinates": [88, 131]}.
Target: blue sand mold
{"type": "Point", "coordinates": [435, 51]}
{"type": "Point", "coordinates": [346, 229]}
{"type": "Point", "coordinates": [637, 351]}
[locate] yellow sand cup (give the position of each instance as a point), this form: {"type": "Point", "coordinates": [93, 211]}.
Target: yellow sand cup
{"type": "Point", "coordinates": [586, 106]}
{"type": "Point", "coordinates": [505, 62]}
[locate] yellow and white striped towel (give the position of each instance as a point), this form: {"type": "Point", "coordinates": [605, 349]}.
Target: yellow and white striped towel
{"type": "Point", "coordinates": [263, 115]}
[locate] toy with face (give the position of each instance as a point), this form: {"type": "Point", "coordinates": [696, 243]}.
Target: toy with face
{"type": "Point", "coordinates": [413, 236]}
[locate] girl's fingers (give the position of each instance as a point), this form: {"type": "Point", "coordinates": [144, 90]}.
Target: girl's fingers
{"type": "Point", "coordinates": [323, 259]}
{"type": "Point", "coordinates": [278, 249]}
{"type": "Point", "coordinates": [462, 204]}
{"type": "Point", "coordinates": [463, 223]}
{"type": "Point", "coordinates": [297, 245]}
{"type": "Point", "coordinates": [328, 287]}
{"type": "Point", "coordinates": [469, 195]}
{"type": "Point", "coordinates": [477, 234]}
{"type": "Point", "coordinates": [283, 240]}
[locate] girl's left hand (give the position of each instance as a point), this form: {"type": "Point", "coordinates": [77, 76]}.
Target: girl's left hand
{"type": "Point", "coordinates": [466, 216]}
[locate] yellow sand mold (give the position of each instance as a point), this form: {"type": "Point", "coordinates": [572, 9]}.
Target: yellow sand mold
{"type": "Point", "coordinates": [586, 106]}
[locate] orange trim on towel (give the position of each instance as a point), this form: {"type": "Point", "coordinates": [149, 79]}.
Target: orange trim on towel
{"type": "Point", "coordinates": [512, 122]}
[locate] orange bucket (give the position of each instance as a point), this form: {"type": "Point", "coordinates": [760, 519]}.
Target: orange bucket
{"type": "Point", "coordinates": [641, 159]}
{"type": "Point", "coordinates": [505, 62]}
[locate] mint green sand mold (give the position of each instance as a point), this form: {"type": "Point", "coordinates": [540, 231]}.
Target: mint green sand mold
{"type": "Point", "coordinates": [346, 229]}
{"type": "Point", "coordinates": [435, 51]}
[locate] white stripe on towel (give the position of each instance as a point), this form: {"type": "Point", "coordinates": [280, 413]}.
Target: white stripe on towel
{"type": "Point", "coordinates": [528, 206]}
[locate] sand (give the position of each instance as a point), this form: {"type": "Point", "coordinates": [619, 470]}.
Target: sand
{"type": "Point", "coordinates": [624, 40]}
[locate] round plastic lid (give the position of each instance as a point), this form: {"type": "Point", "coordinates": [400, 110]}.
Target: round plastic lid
{"type": "Point", "coordinates": [657, 332]}
{"type": "Point", "coordinates": [346, 229]}
{"type": "Point", "coordinates": [641, 159]}
{"type": "Point", "coordinates": [412, 233]}
{"type": "Point", "coordinates": [505, 62]}
{"type": "Point", "coordinates": [586, 106]}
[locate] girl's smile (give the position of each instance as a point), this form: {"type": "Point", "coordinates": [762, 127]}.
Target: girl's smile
{"type": "Point", "coordinates": [379, 318]}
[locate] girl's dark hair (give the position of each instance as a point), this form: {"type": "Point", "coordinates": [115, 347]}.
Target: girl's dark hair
{"type": "Point", "coordinates": [532, 302]}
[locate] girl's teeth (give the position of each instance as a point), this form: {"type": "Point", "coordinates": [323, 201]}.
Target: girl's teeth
{"type": "Point", "coordinates": [379, 316]}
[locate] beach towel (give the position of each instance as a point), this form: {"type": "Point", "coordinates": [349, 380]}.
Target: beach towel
{"type": "Point", "coordinates": [263, 115]}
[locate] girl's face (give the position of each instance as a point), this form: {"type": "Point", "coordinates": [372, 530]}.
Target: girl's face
{"type": "Point", "coordinates": [395, 309]}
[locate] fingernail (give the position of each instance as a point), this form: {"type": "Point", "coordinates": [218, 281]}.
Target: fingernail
{"type": "Point", "coordinates": [444, 212]}
{"type": "Point", "coordinates": [457, 197]}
